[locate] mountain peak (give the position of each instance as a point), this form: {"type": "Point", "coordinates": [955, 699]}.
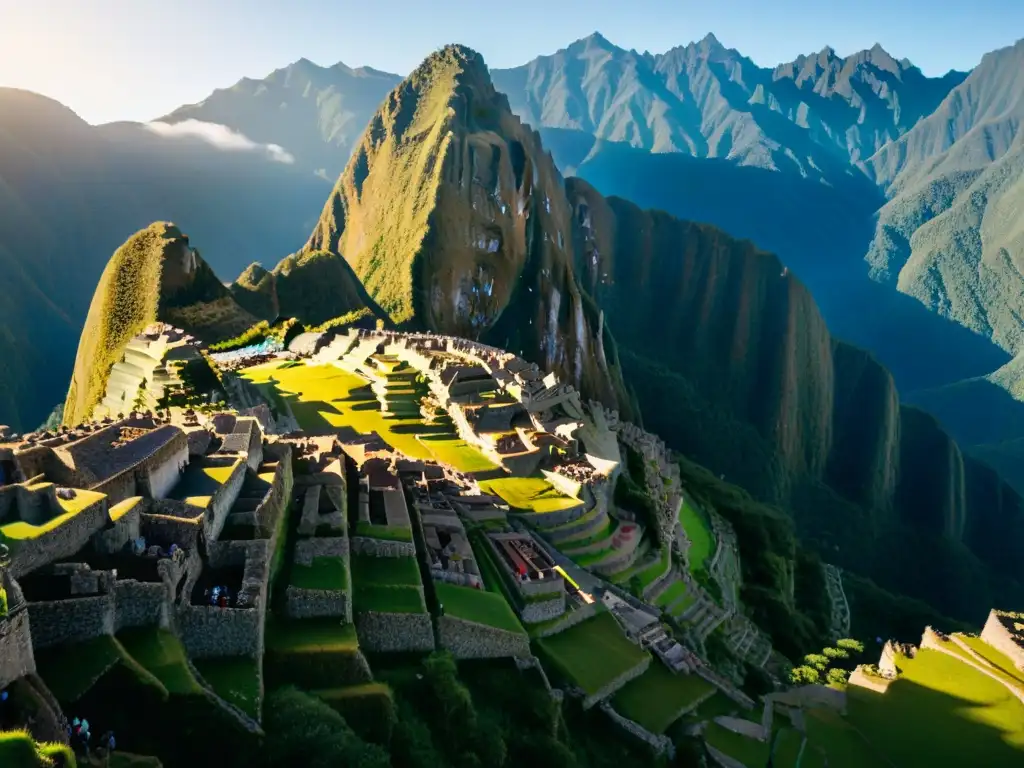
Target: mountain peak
{"type": "Point", "coordinates": [710, 39]}
{"type": "Point", "coordinates": [593, 41]}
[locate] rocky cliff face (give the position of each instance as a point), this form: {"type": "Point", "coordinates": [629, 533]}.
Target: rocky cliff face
{"type": "Point", "coordinates": [734, 365]}
{"type": "Point", "coordinates": [455, 220]}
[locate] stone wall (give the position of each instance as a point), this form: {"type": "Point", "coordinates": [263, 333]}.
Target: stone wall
{"type": "Point", "coordinates": [16, 657]}
{"type": "Point", "coordinates": [71, 621]}
{"type": "Point", "coordinates": [571, 619]}
{"type": "Point", "coordinates": [125, 528]}
{"type": "Point", "coordinates": [608, 690]}
{"type": "Point", "coordinates": [311, 603]}
{"type": "Point", "coordinates": [208, 631]}
{"type": "Point", "coordinates": [661, 744]}
{"type": "Point", "coordinates": [809, 696]}
{"type": "Point", "coordinates": [470, 640]}
{"type": "Point", "coordinates": [861, 678]}
{"type": "Point", "coordinates": [324, 546]}
{"type": "Point", "coordinates": [535, 612]}
{"type": "Point", "coordinates": [743, 727]}
{"type": "Point", "coordinates": [163, 472]}
{"type": "Point", "coordinates": [159, 527]}
{"type": "Point", "coordinates": [395, 632]}
{"type": "Point", "coordinates": [363, 545]}
{"type": "Point", "coordinates": [221, 502]}
{"type": "Point", "coordinates": [61, 542]}
{"type": "Point", "coordinates": [140, 604]}
{"type": "Point", "coordinates": [998, 635]}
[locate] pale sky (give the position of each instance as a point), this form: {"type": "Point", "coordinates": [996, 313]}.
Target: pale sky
{"type": "Point", "coordinates": [139, 59]}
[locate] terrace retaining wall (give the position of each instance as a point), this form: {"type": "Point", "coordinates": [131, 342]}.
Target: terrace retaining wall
{"type": "Point", "coordinates": [306, 550]}
{"type": "Point", "coordinates": [364, 545]}
{"type": "Point", "coordinates": [471, 640]}
{"type": "Point", "coordinates": [209, 631]}
{"type": "Point", "coordinates": [16, 657]}
{"type": "Point", "coordinates": [394, 632]}
{"type": "Point", "coordinates": [571, 619]}
{"type": "Point", "coordinates": [662, 745]}
{"type": "Point", "coordinates": [996, 634]}
{"type": "Point", "coordinates": [311, 603]}
{"type": "Point", "coordinates": [611, 687]}
{"type": "Point", "coordinates": [74, 620]}
{"type": "Point", "coordinates": [536, 612]}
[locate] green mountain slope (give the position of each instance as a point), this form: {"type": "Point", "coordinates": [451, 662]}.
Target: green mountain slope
{"type": "Point", "coordinates": [725, 350]}
{"type": "Point", "coordinates": [454, 219]}
{"type": "Point", "coordinates": [71, 193]}
{"type": "Point", "coordinates": [155, 275]}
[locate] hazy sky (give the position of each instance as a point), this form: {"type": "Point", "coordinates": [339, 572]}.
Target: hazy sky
{"type": "Point", "coordinates": [139, 59]}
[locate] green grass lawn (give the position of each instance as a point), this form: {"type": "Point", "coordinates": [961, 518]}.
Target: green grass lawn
{"type": "Point", "coordinates": [675, 590]}
{"type": "Point", "coordinates": [387, 571]}
{"type": "Point", "coordinates": [698, 531]}
{"type": "Point", "coordinates": [655, 570]}
{"type": "Point", "coordinates": [530, 494]}
{"type": "Point", "coordinates": [941, 712]}
{"type": "Point", "coordinates": [996, 658]}
{"type": "Point", "coordinates": [828, 733]}
{"type": "Point", "coordinates": [325, 396]}
{"type": "Point", "coordinates": [235, 679]}
{"type": "Point", "coordinates": [311, 636]}
{"type": "Point", "coordinates": [162, 653]}
{"type": "Point", "coordinates": [656, 698]}
{"type": "Point", "coordinates": [477, 605]}
{"type": "Point", "coordinates": [382, 598]}
{"type": "Point", "coordinates": [751, 752]}
{"type": "Point", "coordinates": [69, 671]}
{"type": "Point", "coordinates": [385, 532]}
{"type": "Point", "coordinates": [323, 573]}
{"type": "Point", "coordinates": [787, 747]}
{"type": "Point", "coordinates": [591, 654]}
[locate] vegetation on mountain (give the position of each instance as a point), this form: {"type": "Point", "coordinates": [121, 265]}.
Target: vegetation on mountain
{"type": "Point", "coordinates": [155, 275]}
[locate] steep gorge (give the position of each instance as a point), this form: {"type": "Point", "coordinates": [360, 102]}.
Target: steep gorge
{"type": "Point", "coordinates": [456, 220]}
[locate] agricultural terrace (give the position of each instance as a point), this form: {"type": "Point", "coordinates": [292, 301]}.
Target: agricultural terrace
{"type": "Point", "coordinates": [659, 697]}
{"type": "Point", "coordinates": [940, 711]}
{"type": "Point", "coordinates": [483, 607]}
{"type": "Point", "coordinates": [387, 584]}
{"type": "Point", "coordinates": [999, 660]}
{"type": "Point", "coordinates": [70, 671]}
{"type": "Point", "coordinates": [327, 573]}
{"type": "Point", "coordinates": [591, 654]}
{"type": "Point", "coordinates": [324, 396]}
{"type": "Point", "coordinates": [698, 530]}
{"type": "Point", "coordinates": [310, 653]}
{"type": "Point", "coordinates": [236, 679]}
{"type": "Point", "coordinates": [161, 653]}
{"type": "Point", "coordinates": [529, 494]}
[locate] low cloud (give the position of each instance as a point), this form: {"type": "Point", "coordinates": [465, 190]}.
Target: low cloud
{"type": "Point", "coordinates": [221, 137]}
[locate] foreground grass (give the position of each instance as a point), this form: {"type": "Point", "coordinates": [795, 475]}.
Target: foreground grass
{"type": "Point", "coordinates": [593, 653]}
{"type": "Point", "coordinates": [19, 750]}
{"type": "Point", "coordinates": [162, 653]}
{"type": "Point", "coordinates": [658, 697]}
{"type": "Point", "coordinates": [323, 396]}
{"type": "Point", "coordinates": [698, 531]}
{"type": "Point", "coordinates": [311, 636]}
{"type": "Point", "coordinates": [750, 752]}
{"type": "Point", "coordinates": [71, 670]}
{"type": "Point", "coordinates": [235, 679]}
{"type": "Point", "coordinates": [530, 494]}
{"type": "Point", "coordinates": [326, 573]}
{"type": "Point", "coordinates": [477, 605]}
{"type": "Point", "coordinates": [941, 712]}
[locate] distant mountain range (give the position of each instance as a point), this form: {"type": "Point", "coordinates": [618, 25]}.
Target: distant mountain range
{"type": "Point", "coordinates": [891, 194]}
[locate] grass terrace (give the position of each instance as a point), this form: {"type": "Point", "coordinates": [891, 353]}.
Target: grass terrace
{"type": "Point", "coordinates": [698, 530]}
{"type": "Point", "coordinates": [386, 584]}
{"type": "Point", "coordinates": [312, 653]}
{"type": "Point", "coordinates": [658, 697]}
{"type": "Point", "coordinates": [750, 752]}
{"type": "Point", "coordinates": [22, 531]}
{"type": "Point", "coordinates": [201, 481]}
{"type": "Point", "coordinates": [71, 670]}
{"type": "Point", "coordinates": [477, 605]}
{"type": "Point", "coordinates": [940, 712]}
{"type": "Point", "coordinates": [311, 636]}
{"type": "Point", "coordinates": [161, 653]}
{"type": "Point", "coordinates": [529, 494]}
{"type": "Point", "coordinates": [677, 590]}
{"type": "Point", "coordinates": [999, 660]}
{"type": "Point", "coordinates": [591, 654]}
{"type": "Point", "coordinates": [326, 573]}
{"type": "Point", "coordinates": [385, 532]}
{"type": "Point", "coordinates": [236, 679]}
{"type": "Point", "coordinates": [324, 396]}
{"type": "Point", "coordinates": [845, 746]}
{"type": "Point", "coordinates": [18, 749]}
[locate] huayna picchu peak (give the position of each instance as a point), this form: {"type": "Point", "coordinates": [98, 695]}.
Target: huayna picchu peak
{"type": "Point", "coordinates": [622, 408]}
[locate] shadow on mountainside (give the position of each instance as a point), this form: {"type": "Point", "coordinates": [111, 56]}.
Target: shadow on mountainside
{"type": "Point", "coordinates": [819, 231]}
